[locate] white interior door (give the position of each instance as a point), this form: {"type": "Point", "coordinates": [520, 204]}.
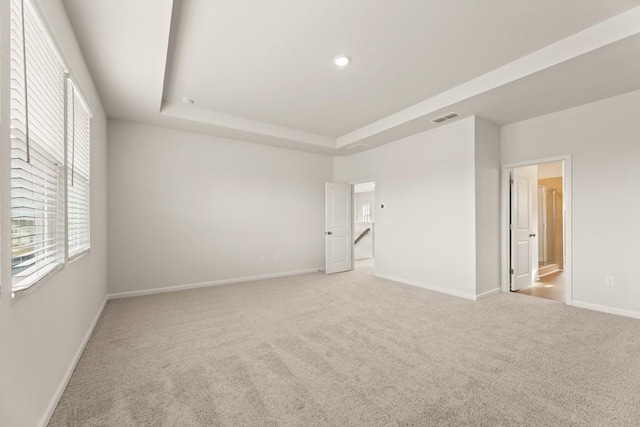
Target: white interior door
{"type": "Point", "coordinates": [524, 226]}
{"type": "Point", "coordinates": [337, 227]}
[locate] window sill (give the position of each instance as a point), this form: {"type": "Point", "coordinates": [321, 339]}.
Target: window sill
{"type": "Point", "coordinates": [27, 289]}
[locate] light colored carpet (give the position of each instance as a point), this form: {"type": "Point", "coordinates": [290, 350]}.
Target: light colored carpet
{"type": "Point", "coordinates": [352, 350]}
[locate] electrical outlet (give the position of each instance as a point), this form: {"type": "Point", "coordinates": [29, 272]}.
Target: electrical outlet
{"type": "Point", "coordinates": [262, 259]}
{"type": "Point", "coordinates": [277, 257]}
{"type": "Point", "coordinates": [609, 281]}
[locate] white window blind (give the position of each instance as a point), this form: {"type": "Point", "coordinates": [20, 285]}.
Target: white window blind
{"type": "Point", "coordinates": [37, 149]}
{"type": "Point", "coordinates": [78, 149]}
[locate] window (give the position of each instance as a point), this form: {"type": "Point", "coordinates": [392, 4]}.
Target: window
{"type": "Point", "coordinates": [366, 213]}
{"type": "Point", "coordinates": [78, 132]}
{"type": "Point", "coordinates": [37, 149]}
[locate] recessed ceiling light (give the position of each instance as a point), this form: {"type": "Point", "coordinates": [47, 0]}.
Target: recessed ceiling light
{"type": "Point", "coordinates": [187, 101]}
{"type": "Point", "coordinates": [341, 60]}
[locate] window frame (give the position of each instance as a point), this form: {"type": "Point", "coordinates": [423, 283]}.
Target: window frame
{"type": "Point", "coordinates": [69, 166]}
{"type": "Point", "coordinates": [61, 167]}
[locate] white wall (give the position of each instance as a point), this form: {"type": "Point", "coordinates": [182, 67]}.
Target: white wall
{"type": "Point", "coordinates": [425, 235]}
{"type": "Point", "coordinates": [364, 248]}
{"type": "Point", "coordinates": [186, 208]}
{"type": "Point", "coordinates": [604, 141]}
{"type": "Point", "coordinates": [41, 332]}
{"type": "Point", "coordinates": [487, 170]}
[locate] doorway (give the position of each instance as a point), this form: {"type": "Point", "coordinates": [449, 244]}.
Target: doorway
{"type": "Point", "coordinates": [537, 228]}
{"type": "Point", "coordinates": [349, 227]}
{"type": "Point", "coordinates": [364, 226]}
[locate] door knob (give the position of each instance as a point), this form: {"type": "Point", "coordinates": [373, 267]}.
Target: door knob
{"type": "Point", "coordinates": [328, 232]}
{"type": "Point", "coordinates": [532, 235]}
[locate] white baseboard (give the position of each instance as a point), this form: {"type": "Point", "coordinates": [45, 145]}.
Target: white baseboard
{"type": "Point", "coordinates": [67, 376]}
{"type": "Point", "coordinates": [212, 283]}
{"type": "Point", "coordinates": [488, 293]}
{"type": "Point", "coordinates": [428, 287]}
{"type": "Point", "coordinates": [606, 309]}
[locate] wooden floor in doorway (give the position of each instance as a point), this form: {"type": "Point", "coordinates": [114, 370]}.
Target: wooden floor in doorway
{"type": "Point", "coordinates": [551, 286]}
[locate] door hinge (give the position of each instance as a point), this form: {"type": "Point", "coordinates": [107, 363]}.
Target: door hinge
{"type": "Point", "coordinates": [512, 271]}
{"type": "Point", "coordinates": [510, 226]}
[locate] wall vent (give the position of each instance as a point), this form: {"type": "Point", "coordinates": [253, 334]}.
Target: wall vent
{"type": "Point", "coordinates": [445, 118]}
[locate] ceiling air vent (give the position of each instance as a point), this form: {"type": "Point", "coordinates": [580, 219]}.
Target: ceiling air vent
{"type": "Point", "coordinates": [444, 118]}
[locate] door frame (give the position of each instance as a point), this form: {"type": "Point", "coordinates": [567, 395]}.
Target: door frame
{"type": "Point", "coordinates": [505, 232]}
{"type": "Point", "coordinates": [353, 218]}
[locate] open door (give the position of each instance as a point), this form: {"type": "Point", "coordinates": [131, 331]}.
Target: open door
{"type": "Point", "coordinates": [337, 227]}
{"type": "Point", "coordinates": [523, 226]}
